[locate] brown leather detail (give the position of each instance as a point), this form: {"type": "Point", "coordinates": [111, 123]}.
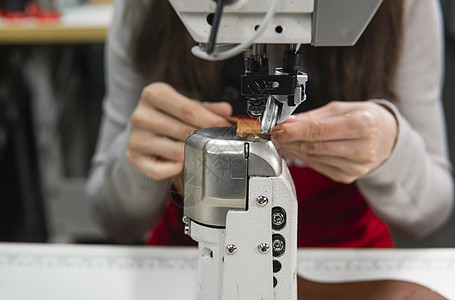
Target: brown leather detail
{"type": "Point", "coordinates": [368, 290]}
{"type": "Point", "coordinates": [247, 127]}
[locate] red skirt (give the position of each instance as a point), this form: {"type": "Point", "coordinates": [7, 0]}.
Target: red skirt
{"type": "Point", "coordinates": [331, 214]}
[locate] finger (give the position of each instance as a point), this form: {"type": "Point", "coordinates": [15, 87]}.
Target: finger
{"type": "Point", "coordinates": [331, 109]}
{"type": "Point", "coordinates": [356, 150]}
{"type": "Point", "coordinates": [333, 171]}
{"type": "Point", "coordinates": [347, 126]}
{"type": "Point", "coordinates": [160, 146]}
{"type": "Point", "coordinates": [222, 109]}
{"type": "Point", "coordinates": [162, 124]}
{"type": "Point", "coordinates": [191, 112]}
{"type": "Point", "coordinates": [346, 166]}
{"type": "Point", "coordinates": [153, 167]}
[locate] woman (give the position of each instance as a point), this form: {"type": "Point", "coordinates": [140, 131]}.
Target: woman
{"type": "Point", "coordinates": [375, 158]}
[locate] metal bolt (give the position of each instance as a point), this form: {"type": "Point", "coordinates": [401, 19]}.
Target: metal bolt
{"type": "Point", "coordinates": [263, 248]}
{"type": "Point", "coordinates": [278, 245]}
{"type": "Point", "coordinates": [186, 221]}
{"type": "Point", "coordinates": [278, 219]}
{"type": "Point", "coordinates": [256, 86]}
{"type": "Point", "coordinates": [261, 200]}
{"type": "Point", "coordinates": [231, 249]}
{"type": "Point", "coordinates": [186, 230]}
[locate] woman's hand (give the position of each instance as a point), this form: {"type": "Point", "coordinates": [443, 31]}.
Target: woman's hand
{"type": "Point", "coordinates": [160, 124]}
{"type": "Point", "coordinates": [341, 140]}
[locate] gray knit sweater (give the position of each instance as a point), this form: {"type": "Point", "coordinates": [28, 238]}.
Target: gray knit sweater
{"type": "Point", "coordinates": [411, 191]}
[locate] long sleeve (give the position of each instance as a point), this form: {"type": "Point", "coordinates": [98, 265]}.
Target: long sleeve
{"type": "Point", "coordinates": [413, 190]}
{"type": "Point", "coordinates": [124, 201]}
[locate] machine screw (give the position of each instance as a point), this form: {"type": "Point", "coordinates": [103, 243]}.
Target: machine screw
{"type": "Point", "coordinates": [231, 249]}
{"type": "Point", "coordinates": [263, 248]}
{"type": "Point", "coordinates": [186, 230]}
{"type": "Point", "coordinates": [278, 219]}
{"type": "Point", "coordinates": [278, 245]}
{"type": "Point", "coordinates": [261, 200]}
{"type": "Point", "coordinates": [256, 86]}
{"type": "Point", "coordinates": [186, 221]}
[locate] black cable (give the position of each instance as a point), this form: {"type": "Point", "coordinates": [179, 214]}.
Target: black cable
{"type": "Point", "coordinates": [215, 25]}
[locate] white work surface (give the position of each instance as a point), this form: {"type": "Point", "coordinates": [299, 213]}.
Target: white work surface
{"type": "Point", "coordinates": [49, 271]}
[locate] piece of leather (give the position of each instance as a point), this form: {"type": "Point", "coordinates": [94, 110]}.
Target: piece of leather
{"type": "Point", "coordinates": [247, 127]}
{"type": "Point", "coordinates": [367, 290]}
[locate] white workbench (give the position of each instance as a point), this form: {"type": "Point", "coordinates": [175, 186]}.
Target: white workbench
{"type": "Point", "coordinates": [49, 271]}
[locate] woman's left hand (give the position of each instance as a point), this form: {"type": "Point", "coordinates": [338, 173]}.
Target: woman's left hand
{"type": "Point", "coordinates": [341, 140]}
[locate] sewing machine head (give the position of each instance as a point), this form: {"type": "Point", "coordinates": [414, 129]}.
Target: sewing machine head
{"type": "Point", "coordinates": [225, 28]}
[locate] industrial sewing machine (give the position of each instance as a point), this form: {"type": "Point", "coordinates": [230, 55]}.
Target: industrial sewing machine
{"type": "Point", "coordinates": [240, 203]}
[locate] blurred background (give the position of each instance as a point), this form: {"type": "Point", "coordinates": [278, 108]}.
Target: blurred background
{"type": "Point", "coordinates": [51, 90]}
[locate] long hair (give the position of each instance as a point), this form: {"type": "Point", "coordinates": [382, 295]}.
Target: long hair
{"type": "Point", "coordinates": [363, 71]}
{"type": "Point", "coordinates": [161, 51]}
{"type": "Point", "coordinates": [161, 45]}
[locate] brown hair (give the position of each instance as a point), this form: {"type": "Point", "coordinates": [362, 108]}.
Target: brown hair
{"type": "Point", "coordinates": [161, 51]}
{"type": "Point", "coordinates": [363, 71]}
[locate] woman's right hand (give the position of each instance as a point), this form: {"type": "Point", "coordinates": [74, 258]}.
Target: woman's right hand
{"type": "Point", "coordinates": [160, 124]}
